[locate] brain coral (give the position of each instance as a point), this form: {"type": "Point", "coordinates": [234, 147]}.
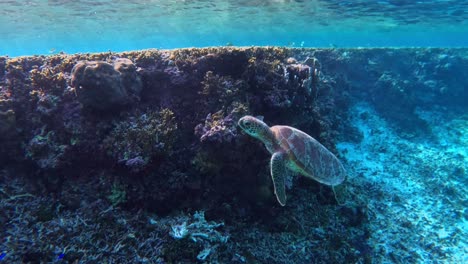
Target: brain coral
{"type": "Point", "coordinates": [101, 85]}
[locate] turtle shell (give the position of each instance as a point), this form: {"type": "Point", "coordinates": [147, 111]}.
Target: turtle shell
{"type": "Point", "coordinates": [309, 157]}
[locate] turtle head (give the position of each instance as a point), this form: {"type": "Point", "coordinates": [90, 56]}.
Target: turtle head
{"type": "Point", "coordinates": [254, 127]}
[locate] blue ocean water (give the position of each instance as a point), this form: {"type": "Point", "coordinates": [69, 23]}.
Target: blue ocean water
{"type": "Point", "coordinates": [43, 27]}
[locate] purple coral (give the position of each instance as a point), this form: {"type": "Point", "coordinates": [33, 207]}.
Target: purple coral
{"type": "Point", "coordinates": [135, 164]}
{"type": "Point", "coordinates": [216, 129]}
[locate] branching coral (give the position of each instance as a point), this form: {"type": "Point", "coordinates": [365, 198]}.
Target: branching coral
{"type": "Point", "coordinates": [221, 88]}
{"type": "Point", "coordinates": [198, 230]}
{"type": "Point", "coordinates": [137, 139]}
{"type": "Point", "coordinates": [217, 128]}
{"type": "Point", "coordinates": [48, 79]}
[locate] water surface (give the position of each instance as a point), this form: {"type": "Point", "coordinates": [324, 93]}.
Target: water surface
{"type": "Point", "coordinates": [42, 27]}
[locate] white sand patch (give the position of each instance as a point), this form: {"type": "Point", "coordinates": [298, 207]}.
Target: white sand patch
{"type": "Point", "coordinates": [416, 188]}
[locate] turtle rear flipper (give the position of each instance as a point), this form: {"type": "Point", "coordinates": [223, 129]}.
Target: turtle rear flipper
{"type": "Point", "coordinates": [279, 172]}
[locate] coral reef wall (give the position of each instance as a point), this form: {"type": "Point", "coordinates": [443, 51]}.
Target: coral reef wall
{"type": "Point", "coordinates": [164, 122]}
{"type": "Point", "coordinates": [157, 131]}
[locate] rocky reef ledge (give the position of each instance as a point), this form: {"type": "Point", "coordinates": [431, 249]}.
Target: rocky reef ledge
{"type": "Point", "coordinates": [136, 156]}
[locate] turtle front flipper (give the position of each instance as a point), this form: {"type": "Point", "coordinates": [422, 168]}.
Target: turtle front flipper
{"type": "Point", "coordinates": [279, 173]}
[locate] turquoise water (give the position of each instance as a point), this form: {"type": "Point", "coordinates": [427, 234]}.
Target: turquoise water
{"type": "Point", "coordinates": [43, 27]}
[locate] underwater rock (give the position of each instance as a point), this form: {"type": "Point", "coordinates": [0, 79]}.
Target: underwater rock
{"type": "Point", "coordinates": [102, 86]}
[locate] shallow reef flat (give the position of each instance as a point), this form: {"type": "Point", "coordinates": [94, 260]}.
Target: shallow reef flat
{"type": "Point", "coordinates": [136, 157]}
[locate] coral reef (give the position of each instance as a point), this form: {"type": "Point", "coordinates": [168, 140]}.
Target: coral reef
{"type": "Point", "coordinates": [380, 76]}
{"type": "Point", "coordinates": [40, 228]}
{"type": "Point", "coordinates": [135, 140]}
{"type": "Point", "coordinates": [104, 154]}
{"type": "Point", "coordinates": [44, 150]}
{"type": "Point", "coordinates": [104, 86]}
{"type": "Point", "coordinates": [217, 128]}
{"type": "Point", "coordinates": [198, 230]}
{"type": "Point", "coordinates": [7, 123]}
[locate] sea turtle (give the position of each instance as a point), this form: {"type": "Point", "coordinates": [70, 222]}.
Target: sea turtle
{"type": "Point", "coordinates": [294, 150]}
